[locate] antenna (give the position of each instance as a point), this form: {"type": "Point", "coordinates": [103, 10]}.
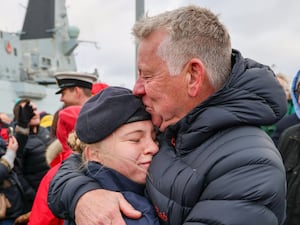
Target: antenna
{"type": "Point", "coordinates": [139, 12]}
{"type": "Point", "coordinates": [90, 42]}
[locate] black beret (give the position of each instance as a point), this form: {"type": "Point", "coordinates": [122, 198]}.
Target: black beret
{"type": "Point", "coordinates": [106, 111]}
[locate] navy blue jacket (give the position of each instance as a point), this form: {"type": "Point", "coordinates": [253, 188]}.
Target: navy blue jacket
{"type": "Point", "coordinates": [110, 179]}
{"type": "Point", "coordinates": [222, 169]}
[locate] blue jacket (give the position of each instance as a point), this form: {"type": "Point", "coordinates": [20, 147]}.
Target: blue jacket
{"type": "Point", "coordinates": [295, 96]}
{"type": "Point", "coordinates": [222, 169]}
{"type": "Point", "coordinates": [110, 179]}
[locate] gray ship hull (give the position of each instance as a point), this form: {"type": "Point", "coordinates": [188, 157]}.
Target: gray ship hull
{"type": "Point", "coordinates": [43, 96]}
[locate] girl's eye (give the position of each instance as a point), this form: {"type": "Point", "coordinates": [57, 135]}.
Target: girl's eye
{"type": "Point", "coordinates": [134, 140]}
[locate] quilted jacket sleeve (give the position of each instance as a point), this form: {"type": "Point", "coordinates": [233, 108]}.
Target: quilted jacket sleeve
{"type": "Point", "coordinates": [67, 186]}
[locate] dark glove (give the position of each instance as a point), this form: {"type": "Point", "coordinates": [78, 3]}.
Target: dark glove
{"type": "Point", "coordinates": [25, 115]}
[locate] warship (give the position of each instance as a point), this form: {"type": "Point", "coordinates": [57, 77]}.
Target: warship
{"type": "Point", "coordinates": [31, 57]}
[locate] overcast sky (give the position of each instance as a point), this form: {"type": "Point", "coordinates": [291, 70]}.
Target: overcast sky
{"type": "Point", "coordinates": [267, 31]}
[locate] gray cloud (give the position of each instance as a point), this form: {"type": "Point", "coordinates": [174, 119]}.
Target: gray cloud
{"type": "Point", "coordinates": [267, 31]}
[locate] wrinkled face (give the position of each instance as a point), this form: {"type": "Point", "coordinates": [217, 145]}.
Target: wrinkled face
{"type": "Point", "coordinates": [69, 96]}
{"type": "Point", "coordinates": [162, 94]}
{"type": "Point", "coordinates": [129, 150]}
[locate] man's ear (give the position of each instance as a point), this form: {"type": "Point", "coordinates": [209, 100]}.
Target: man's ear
{"type": "Point", "coordinates": [194, 76]}
{"type": "Point", "coordinates": [78, 91]}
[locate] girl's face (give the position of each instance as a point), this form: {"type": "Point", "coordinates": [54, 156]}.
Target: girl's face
{"type": "Point", "coordinates": [129, 150]}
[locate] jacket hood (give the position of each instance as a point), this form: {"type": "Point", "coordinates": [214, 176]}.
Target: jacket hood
{"type": "Point", "coordinates": [251, 96]}
{"type": "Point", "coordinates": [52, 152]}
{"type": "Point", "coordinates": [66, 123]}
{"type": "Point", "coordinates": [295, 96]}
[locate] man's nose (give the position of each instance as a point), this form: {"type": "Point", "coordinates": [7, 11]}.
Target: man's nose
{"type": "Point", "coordinates": [139, 88]}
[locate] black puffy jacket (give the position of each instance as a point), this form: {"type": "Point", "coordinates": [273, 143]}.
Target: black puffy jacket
{"type": "Point", "coordinates": [34, 160]}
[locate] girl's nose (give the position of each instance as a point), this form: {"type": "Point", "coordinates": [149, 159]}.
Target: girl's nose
{"type": "Point", "coordinates": [152, 148]}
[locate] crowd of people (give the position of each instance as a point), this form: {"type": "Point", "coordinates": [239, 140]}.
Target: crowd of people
{"type": "Point", "coordinates": [32, 153]}
{"type": "Point", "coordinates": [198, 140]}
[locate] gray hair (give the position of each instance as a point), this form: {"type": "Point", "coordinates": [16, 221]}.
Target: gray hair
{"type": "Point", "coordinates": [194, 32]}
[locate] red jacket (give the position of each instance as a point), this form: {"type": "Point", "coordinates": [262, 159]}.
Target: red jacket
{"type": "Point", "coordinates": [40, 212]}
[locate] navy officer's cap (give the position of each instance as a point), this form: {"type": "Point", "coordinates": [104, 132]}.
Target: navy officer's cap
{"type": "Point", "coordinates": [74, 79]}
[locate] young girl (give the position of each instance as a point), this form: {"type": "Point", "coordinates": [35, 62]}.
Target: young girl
{"type": "Point", "coordinates": [117, 139]}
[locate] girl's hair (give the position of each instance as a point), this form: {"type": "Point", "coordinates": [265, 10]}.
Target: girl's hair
{"type": "Point", "coordinates": [17, 108]}
{"type": "Point", "coordinates": [54, 123]}
{"type": "Point", "coordinates": [75, 144]}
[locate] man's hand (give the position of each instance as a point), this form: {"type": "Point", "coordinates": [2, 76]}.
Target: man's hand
{"type": "Point", "coordinates": [103, 207]}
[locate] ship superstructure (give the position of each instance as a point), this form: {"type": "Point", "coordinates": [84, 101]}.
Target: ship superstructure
{"type": "Point", "coordinates": [29, 59]}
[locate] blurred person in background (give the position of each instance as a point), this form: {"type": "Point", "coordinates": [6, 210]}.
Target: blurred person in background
{"type": "Point", "coordinates": [40, 213]}
{"type": "Point", "coordinates": [285, 84]}
{"type": "Point", "coordinates": [32, 156]}
{"type": "Point", "coordinates": [290, 119]}
{"type": "Point", "coordinates": [15, 192]}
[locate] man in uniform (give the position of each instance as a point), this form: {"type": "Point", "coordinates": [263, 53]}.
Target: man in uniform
{"type": "Point", "coordinates": [75, 88]}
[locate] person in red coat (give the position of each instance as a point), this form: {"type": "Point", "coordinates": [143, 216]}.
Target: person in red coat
{"type": "Point", "coordinates": [40, 213]}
